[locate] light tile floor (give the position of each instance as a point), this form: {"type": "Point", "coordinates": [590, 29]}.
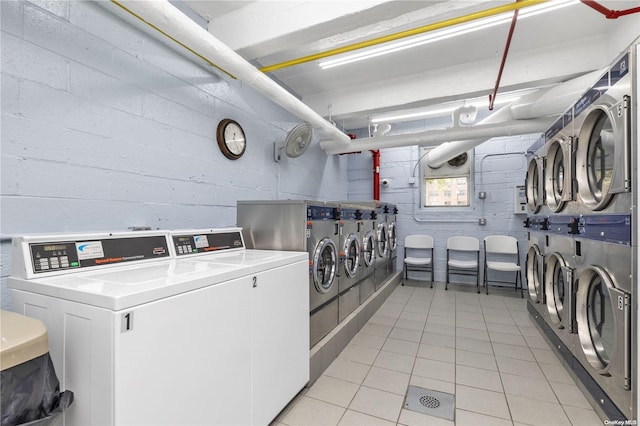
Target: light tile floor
{"type": "Point", "coordinates": [484, 349]}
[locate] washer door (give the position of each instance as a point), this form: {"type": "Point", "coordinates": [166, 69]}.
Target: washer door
{"type": "Point", "coordinates": [393, 238]}
{"type": "Point", "coordinates": [602, 156]}
{"type": "Point", "coordinates": [325, 264]}
{"type": "Point", "coordinates": [383, 240]}
{"type": "Point", "coordinates": [368, 250]}
{"type": "Point", "coordinates": [534, 269]}
{"type": "Point", "coordinates": [558, 278]}
{"type": "Point", "coordinates": [558, 174]}
{"type": "Point", "coordinates": [603, 317]}
{"type": "Point", "coordinates": [351, 255]}
{"type": "Point", "coordinates": [534, 184]}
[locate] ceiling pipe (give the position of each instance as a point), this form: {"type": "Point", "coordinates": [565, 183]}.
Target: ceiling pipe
{"type": "Point", "coordinates": [533, 113]}
{"type": "Point", "coordinates": [161, 17]}
{"type": "Point", "coordinates": [609, 13]}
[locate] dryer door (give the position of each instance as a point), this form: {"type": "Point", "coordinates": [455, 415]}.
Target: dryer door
{"type": "Point", "coordinates": [368, 250]}
{"type": "Point", "coordinates": [383, 240]}
{"type": "Point", "coordinates": [558, 174]}
{"type": "Point", "coordinates": [603, 315]}
{"type": "Point", "coordinates": [351, 255]}
{"type": "Point", "coordinates": [325, 265]}
{"type": "Point", "coordinates": [602, 156]}
{"type": "Point", "coordinates": [534, 269]}
{"type": "Point", "coordinates": [534, 184]}
{"type": "Point", "coordinates": [558, 279]}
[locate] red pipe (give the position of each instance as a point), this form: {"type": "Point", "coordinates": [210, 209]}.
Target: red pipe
{"type": "Point", "coordinates": [376, 174]}
{"type": "Point", "coordinates": [492, 98]}
{"type": "Point", "coordinates": [608, 13]}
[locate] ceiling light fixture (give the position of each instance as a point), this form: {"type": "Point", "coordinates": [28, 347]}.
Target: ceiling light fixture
{"type": "Point", "coordinates": [444, 34]}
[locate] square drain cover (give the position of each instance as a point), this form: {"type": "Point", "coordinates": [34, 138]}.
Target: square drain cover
{"type": "Point", "coordinates": [430, 402]}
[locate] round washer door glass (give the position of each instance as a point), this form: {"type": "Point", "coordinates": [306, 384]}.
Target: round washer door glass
{"type": "Point", "coordinates": [595, 315]}
{"type": "Point", "coordinates": [533, 273]}
{"type": "Point", "coordinates": [555, 177]}
{"type": "Point", "coordinates": [555, 287]}
{"type": "Point", "coordinates": [324, 265]}
{"type": "Point", "coordinates": [383, 240]}
{"type": "Point", "coordinates": [595, 159]}
{"type": "Point", "coordinates": [393, 238]}
{"type": "Point", "coordinates": [532, 182]}
{"type": "Point", "coordinates": [351, 255]}
{"type": "Point", "coordinates": [368, 251]}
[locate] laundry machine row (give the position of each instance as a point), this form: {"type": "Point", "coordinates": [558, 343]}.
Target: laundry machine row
{"type": "Point", "coordinates": [579, 270]}
{"type": "Point", "coordinates": [163, 328]}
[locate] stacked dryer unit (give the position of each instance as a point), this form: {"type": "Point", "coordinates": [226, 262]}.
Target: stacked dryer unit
{"type": "Point", "coordinates": [301, 225]}
{"type": "Point", "coordinates": [579, 188]}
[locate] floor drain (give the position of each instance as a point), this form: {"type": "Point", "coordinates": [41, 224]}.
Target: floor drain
{"type": "Point", "coordinates": [430, 402]}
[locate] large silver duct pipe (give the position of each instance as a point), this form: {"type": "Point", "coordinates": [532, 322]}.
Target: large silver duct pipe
{"type": "Point", "coordinates": [161, 17]}
{"type": "Point", "coordinates": [518, 118]}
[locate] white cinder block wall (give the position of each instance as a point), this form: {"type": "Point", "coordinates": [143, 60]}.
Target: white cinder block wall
{"type": "Point", "coordinates": [105, 128]}
{"type": "Point", "coordinates": [499, 166]}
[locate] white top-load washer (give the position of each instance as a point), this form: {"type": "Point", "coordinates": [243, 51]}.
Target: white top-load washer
{"type": "Point", "coordinates": [141, 337]}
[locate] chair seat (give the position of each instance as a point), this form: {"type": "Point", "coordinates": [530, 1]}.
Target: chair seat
{"type": "Point", "coordinates": [503, 266]}
{"type": "Point", "coordinates": [463, 264]}
{"type": "Point", "coordinates": [417, 260]}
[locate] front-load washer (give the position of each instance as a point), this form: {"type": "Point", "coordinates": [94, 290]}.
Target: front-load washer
{"type": "Point", "coordinates": [368, 253]}
{"type": "Point", "coordinates": [535, 268]}
{"type": "Point", "coordinates": [301, 225]}
{"type": "Point", "coordinates": [604, 321]}
{"type": "Point", "coordinates": [383, 248]}
{"type": "Point", "coordinates": [603, 148]}
{"type": "Point", "coordinates": [281, 303]}
{"type": "Point", "coordinates": [534, 185]}
{"type": "Point", "coordinates": [559, 172]}
{"type": "Point", "coordinates": [559, 278]}
{"type": "Point", "coordinates": [131, 329]}
{"type": "Point", "coordinates": [391, 213]}
{"type": "Point", "coordinates": [350, 259]}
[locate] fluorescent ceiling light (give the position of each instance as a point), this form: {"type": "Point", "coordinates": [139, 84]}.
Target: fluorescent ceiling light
{"type": "Point", "coordinates": [444, 33]}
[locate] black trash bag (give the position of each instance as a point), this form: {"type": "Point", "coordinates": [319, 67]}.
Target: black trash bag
{"type": "Point", "coordinates": [30, 392]}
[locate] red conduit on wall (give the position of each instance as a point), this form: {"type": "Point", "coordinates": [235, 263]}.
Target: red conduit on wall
{"type": "Point", "coordinates": [608, 13]}
{"type": "Point", "coordinates": [376, 174]}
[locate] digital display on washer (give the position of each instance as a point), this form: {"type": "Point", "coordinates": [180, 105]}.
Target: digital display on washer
{"type": "Point", "coordinates": [55, 256]}
{"type": "Point", "coordinates": [205, 243]}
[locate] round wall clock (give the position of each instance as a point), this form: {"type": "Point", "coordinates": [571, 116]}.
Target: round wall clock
{"type": "Point", "coordinates": [231, 139]}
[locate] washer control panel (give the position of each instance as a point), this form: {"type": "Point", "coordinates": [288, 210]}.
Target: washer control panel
{"type": "Point", "coordinates": [50, 256]}
{"type": "Point", "coordinates": [206, 241]}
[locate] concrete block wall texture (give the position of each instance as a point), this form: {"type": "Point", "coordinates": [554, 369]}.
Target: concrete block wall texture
{"type": "Point", "coordinates": [105, 128]}
{"type": "Point", "coordinates": [499, 166]}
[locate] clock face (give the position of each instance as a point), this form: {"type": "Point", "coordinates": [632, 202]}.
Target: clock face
{"type": "Point", "coordinates": [234, 138]}
{"type": "Point", "coordinates": [231, 139]}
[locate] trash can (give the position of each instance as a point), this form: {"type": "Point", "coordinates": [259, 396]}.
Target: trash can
{"type": "Point", "coordinates": [29, 388]}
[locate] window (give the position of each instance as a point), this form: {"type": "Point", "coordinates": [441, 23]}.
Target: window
{"type": "Point", "coordinates": [448, 185]}
{"type": "Point", "coordinates": [446, 191]}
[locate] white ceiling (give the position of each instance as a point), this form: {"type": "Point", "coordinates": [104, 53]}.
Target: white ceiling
{"type": "Point", "coordinates": [547, 48]}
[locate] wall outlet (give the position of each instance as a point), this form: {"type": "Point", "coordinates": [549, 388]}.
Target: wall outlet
{"type": "Point", "coordinates": [482, 221]}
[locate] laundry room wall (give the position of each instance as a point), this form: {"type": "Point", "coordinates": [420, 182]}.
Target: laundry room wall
{"type": "Point", "coordinates": [106, 128]}
{"type": "Point", "coordinates": [499, 166]}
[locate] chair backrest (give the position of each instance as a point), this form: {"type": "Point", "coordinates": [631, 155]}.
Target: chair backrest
{"type": "Point", "coordinates": [501, 244]}
{"type": "Point", "coordinates": [418, 242]}
{"type": "Point", "coordinates": [463, 243]}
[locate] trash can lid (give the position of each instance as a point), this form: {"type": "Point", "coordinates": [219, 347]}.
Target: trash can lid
{"type": "Point", "coordinates": [23, 339]}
